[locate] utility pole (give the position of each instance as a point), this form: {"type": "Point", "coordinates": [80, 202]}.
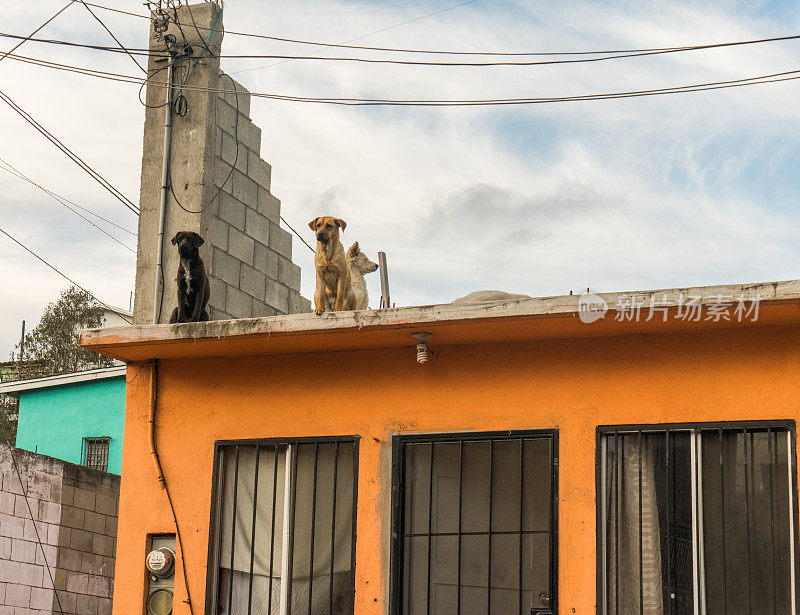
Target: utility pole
{"type": "Point", "coordinates": [22, 343]}
{"type": "Point", "coordinates": [386, 301]}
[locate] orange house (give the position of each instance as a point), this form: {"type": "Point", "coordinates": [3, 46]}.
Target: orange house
{"type": "Point", "coordinates": [622, 453]}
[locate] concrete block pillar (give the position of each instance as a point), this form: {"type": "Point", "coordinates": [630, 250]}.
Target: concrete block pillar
{"type": "Point", "coordinates": [220, 186]}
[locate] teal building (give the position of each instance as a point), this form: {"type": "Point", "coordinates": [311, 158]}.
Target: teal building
{"type": "Point", "coordinates": [78, 417]}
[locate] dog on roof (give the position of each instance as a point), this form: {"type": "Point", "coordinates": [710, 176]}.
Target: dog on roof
{"type": "Point", "coordinates": [330, 263]}
{"type": "Point", "coordinates": [193, 287]}
{"type": "Point", "coordinates": [359, 266]}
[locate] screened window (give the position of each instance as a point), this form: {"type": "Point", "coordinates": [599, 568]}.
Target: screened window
{"type": "Point", "coordinates": [475, 521]}
{"type": "Point", "coordinates": [697, 519]}
{"type": "Point", "coordinates": [95, 453]}
{"type": "Point", "coordinates": [285, 526]}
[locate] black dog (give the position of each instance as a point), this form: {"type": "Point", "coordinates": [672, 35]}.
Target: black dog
{"type": "Point", "coordinates": [193, 287]}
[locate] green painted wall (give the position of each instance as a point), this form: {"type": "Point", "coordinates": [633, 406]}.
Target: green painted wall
{"type": "Point", "coordinates": [53, 421]}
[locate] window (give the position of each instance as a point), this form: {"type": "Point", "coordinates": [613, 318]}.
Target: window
{"type": "Point", "coordinates": [95, 453]}
{"type": "Point", "coordinates": [285, 527]}
{"type": "Point", "coordinates": [696, 519]}
{"type": "Point", "coordinates": [475, 519]}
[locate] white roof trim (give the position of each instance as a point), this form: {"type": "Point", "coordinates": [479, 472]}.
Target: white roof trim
{"type": "Point", "coordinates": [62, 379]}
{"type": "Point", "coordinates": [117, 310]}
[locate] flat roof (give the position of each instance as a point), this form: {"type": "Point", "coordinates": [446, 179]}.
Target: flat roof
{"type": "Point", "coordinates": [61, 379]}
{"type": "Point", "coordinates": [452, 324]}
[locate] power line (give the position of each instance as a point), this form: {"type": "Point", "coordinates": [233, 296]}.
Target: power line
{"type": "Point", "coordinates": [490, 64]}
{"type": "Point", "coordinates": [299, 236]}
{"type": "Point", "coordinates": [358, 38]}
{"type": "Point", "coordinates": [714, 85]}
{"type": "Point", "coordinates": [11, 448]}
{"type": "Point", "coordinates": [469, 102]}
{"type": "Point", "coordinates": [74, 157]}
{"type": "Point", "coordinates": [136, 50]}
{"type": "Point", "coordinates": [601, 58]}
{"type": "Point", "coordinates": [106, 28]}
{"type": "Point", "coordinates": [70, 154]}
{"type": "Point", "coordinates": [771, 78]}
{"type": "Point", "coordinates": [22, 42]}
{"type": "Point", "coordinates": [63, 275]}
{"type": "Point", "coordinates": [19, 174]}
{"type": "Point", "coordinates": [233, 166]}
{"type": "Point", "coordinates": [14, 172]}
{"type": "Point", "coordinates": [470, 53]}
{"type": "Point", "coordinates": [81, 70]}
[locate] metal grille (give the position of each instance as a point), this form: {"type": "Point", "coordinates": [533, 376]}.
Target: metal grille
{"type": "Point", "coordinates": [475, 524]}
{"type": "Point", "coordinates": [95, 453]}
{"type": "Point", "coordinates": [284, 522]}
{"type": "Point", "coordinates": [697, 518]}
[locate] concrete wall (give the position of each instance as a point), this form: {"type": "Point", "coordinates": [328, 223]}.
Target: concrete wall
{"type": "Point", "coordinates": [247, 255]}
{"type": "Point", "coordinates": [82, 410]}
{"type": "Point", "coordinates": [253, 272]}
{"type": "Point", "coordinates": [75, 514]}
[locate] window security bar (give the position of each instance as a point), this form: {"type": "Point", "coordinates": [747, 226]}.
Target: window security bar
{"type": "Point", "coordinates": [94, 452]}
{"type": "Point", "coordinates": [697, 519]}
{"type": "Point", "coordinates": [475, 524]}
{"type": "Point", "coordinates": [284, 527]}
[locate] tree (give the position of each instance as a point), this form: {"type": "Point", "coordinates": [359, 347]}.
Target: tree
{"type": "Point", "coordinates": [8, 420]}
{"type": "Point", "coordinates": [53, 344]}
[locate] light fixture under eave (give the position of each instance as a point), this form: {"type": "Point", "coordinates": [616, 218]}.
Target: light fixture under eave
{"type": "Point", "coordinates": [422, 346]}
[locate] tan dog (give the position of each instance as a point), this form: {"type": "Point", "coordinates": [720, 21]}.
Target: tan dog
{"type": "Point", "coordinates": [330, 263]}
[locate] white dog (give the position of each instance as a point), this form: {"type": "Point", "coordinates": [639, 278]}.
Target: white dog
{"type": "Point", "coordinates": [359, 265]}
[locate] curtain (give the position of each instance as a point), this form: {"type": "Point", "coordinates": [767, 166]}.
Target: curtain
{"type": "Point", "coordinates": [327, 581]}
{"type": "Point", "coordinates": [633, 565]}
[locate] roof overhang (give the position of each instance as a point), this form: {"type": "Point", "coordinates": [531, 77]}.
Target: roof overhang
{"type": "Point", "coordinates": [18, 386]}
{"type": "Point", "coordinates": [449, 324]}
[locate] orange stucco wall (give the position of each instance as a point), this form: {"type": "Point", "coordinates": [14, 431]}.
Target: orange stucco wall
{"type": "Point", "coordinates": [572, 385]}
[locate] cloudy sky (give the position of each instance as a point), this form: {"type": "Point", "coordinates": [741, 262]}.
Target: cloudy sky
{"type": "Point", "coordinates": [691, 189]}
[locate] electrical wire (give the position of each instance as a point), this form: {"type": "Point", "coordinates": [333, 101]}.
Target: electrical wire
{"type": "Point", "coordinates": [70, 154]}
{"type": "Point", "coordinates": [19, 174]}
{"type": "Point", "coordinates": [299, 236]}
{"type": "Point", "coordinates": [194, 23]}
{"type": "Point", "coordinates": [601, 58]}
{"type": "Point", "coordinates": [27, 38]}
{"type": "Point", "coordinates": [58, 199]}
{"type": "Point", "coordinates": [63, 275]}
{"type": "Point", "coordinates": [160, 473]}
{"type": "Point", "coordinates": [451, 52]}
{"type": "Point", "coordinates": [80, 70]}
{"type": "Point", "coordinates": [135, 50]}
{"type": "Point", "coordinates": [713, 85]}
{"type": "Point", "coordinates": [479, 64]}
{"type": "Point", "coordinates": [230, 173]}
{"type": "Point", "coordinates": [170, 100]}
{"type": "Point", "coordinates": [100, 21]}
{"type": "Point", "coordinates": [358, 38]}
{"type": "Point", "coordinates": [233, 166]}
{"type": "Point", "coordinates": [11, 447]}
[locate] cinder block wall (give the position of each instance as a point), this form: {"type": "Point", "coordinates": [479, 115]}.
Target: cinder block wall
{"type": "Point", "coordinates": [247, 254]}
{"type": "Point", "coordinates": [251, 258]}
{"type": "Point", "coordinates": [75, 512]}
